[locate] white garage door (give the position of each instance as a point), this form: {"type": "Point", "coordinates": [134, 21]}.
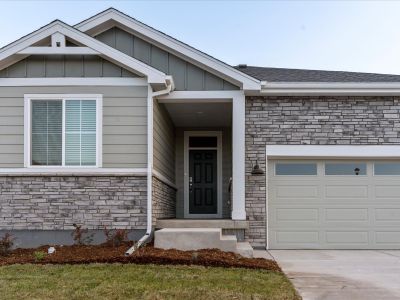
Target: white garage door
{"type": "Point", "coordinates": [333, 205]}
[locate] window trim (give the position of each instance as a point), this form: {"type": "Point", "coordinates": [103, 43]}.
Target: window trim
{"type": "Point", "coordinates": [28, 98]}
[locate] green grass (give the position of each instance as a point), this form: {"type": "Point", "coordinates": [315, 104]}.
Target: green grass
{"type": "Point", "coordinates": [115, 281]}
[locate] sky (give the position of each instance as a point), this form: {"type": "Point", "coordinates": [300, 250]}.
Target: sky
{"type": "Point", "coordinates": [361, 36]}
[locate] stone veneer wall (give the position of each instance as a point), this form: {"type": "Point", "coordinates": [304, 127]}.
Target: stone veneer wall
{"type": "Point", "coordinates": [164, 200]}
{"type": "Point", "coordinates": [309, 120]}
{"type": "Point", "coordinates": [57, 202]}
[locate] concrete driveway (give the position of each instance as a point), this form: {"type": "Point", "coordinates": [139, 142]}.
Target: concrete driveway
{"type": "Point", "coordinates": [342, 274]}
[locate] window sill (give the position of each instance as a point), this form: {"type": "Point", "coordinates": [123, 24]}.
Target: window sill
{"type": "Point", "coordinates": [73, 172]}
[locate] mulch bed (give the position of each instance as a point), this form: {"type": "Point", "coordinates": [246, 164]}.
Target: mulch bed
{"type": "Point", "coordinates": [85, 254]}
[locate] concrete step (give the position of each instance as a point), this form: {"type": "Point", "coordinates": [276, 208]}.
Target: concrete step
{"type": "Point", "coordinates": [199, 238]}
{"type": "Point", "coordinates": [245, 249]}
{"type": "Point", "coordinates": [202, 223]}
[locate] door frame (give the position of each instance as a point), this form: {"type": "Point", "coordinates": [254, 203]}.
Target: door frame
{"type": "Point", "coordinates": [186, 149]}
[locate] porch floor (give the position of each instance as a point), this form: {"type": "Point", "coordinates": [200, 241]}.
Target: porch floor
{"type": "Point", "coordinates": [202, 223]}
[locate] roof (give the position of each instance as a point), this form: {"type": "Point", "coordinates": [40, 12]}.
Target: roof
{"type": "Point", "coordinates": [301, 75]}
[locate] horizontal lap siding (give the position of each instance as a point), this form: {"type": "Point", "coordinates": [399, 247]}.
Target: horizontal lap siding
{"type": "Point", "coordinates": [164, 142]}
{"type": "Point", "coordinates": [11, 131]}
{"type": "Point", "coordinates": [124, 123]}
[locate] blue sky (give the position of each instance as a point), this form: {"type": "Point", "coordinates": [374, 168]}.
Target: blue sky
{"type": "Point", "coordinates": [328, 35]}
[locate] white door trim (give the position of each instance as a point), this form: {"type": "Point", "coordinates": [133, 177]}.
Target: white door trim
{"type": "Point", "coordinates": [188, 134]}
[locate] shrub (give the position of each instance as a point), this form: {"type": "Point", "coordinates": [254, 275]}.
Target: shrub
{"type": "Point", "coordinates": [81, 236]}
{"type": "Point", "coordinates": [115, 237]}
{"type": "Point", "coordinates": [6, 243]}
{"type": "Point", "coordinates": [39, 255]}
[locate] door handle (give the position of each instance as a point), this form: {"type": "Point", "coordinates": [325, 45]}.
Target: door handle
{"type": "Point", "coordinates": [190, 184]}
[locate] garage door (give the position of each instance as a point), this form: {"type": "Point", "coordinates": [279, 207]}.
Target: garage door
{"type": "Point", "coordinates": [333, 205]}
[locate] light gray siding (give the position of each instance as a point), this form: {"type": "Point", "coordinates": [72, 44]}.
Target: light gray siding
{"type": "Point", "coordinates": [164, 142]}
{"type": "Point", "coordinates": [186, 75]}
{"type": "Point", "coordinates": [38, 66]}
{"type": "Point", "coordinates": [124, 123]}
{"type": "Point", "coordinates": [226, 168]}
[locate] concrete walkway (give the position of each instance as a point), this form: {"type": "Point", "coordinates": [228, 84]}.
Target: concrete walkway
{"type": "Point", "coordinates": [342, 274]}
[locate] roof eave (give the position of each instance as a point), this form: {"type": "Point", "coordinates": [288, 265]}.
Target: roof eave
{"type": "Point", "coordinates": [329, 88]}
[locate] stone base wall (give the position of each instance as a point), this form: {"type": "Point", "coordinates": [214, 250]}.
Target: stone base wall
{"type": "Point", "coordinates": [309, 120]}
{"type": "Point", "coordinates": [57, 202]}
{"type": "Point", "coordinates": [164, 201]}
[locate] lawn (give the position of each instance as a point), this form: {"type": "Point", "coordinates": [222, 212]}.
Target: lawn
{"type": "Point", "coordinates": [130, 281]}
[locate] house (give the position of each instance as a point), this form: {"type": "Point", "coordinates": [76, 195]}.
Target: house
{"type": "Point", "coordinates": [113, 123]}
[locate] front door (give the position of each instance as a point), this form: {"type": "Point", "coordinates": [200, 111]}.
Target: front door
{"type": "Point", "coordinates": [203, 182]}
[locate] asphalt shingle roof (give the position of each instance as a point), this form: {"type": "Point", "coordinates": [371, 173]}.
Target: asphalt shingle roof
{"type": "Point", "coordinates": [300, 75]}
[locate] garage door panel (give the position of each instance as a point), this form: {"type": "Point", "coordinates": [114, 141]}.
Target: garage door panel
{"type": "Point", "coordinates": [297, 237]}
{"type": "Point", "coordinates": [346, 191]}
{"type": "Point", "coordinates": [333, 212]}
{"type": "Point", "coordinates": [389, 214]}
{"type": "Point", "coordinates": [288, 217]}
{"type": "Point", "coordinates": [347, 237]}
{"type": "Point", "coordinates": [388, 191]}
{"type": "Point", "coordinates": [388, 238]}
{"type": "Point", "coordinates": [346, 214]}
{"type": "Point", "coordinates": [297, 191]}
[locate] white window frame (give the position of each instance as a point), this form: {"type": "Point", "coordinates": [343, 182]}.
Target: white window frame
{"type": "Point", "coordinates": [28, 98]}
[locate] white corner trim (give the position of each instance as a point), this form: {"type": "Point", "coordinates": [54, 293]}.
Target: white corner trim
{"type": "Point", "coordinates": [238, 158]}
{"type": "Point", "coordinates": [60, 171]}
{"type": "Point", "coordinates": [172, 45]}
{"type": "Point", "coordinates": [150, 125]}
{"type": "Point", "coordinates": [186, 148]}
{"type": "Point", "coordinates": [164, 179]}
{"type": "Point", "coordinates": [153, 75]}
{"type": "Point", "coordinates": [74, 81]}
{"type": "Point", "coordinates": [332, 151]}
{"type": "Point", "coordinates": [28, 98]}
{"type": "Point", "coordinates": [330, 88]}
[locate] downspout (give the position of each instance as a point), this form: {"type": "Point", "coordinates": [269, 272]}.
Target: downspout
{"type": "Point", "coordinates": [150, 98]}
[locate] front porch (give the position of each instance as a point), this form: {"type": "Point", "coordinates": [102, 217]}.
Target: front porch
{"type": "Point", "coordinates": [199, 148]}
{"type": "Point", "coordinates": [193, 150]}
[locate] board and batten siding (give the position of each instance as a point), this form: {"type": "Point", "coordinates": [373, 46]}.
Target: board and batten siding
{"type": "Point", "coordinates": [186, 75]}
{"type": "Point", "coordinates": [39, 66]}
{"type": "Point", "coordinates": [124, 123]}
{"type": "Point", "coordinates": [163, 142]}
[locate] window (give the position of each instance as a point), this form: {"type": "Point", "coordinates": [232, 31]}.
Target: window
{"type": "Point", "coordinates": [346, 169]}
{"type": "Point", "coordinates": [387, 168]}
{"type": "Point", "coordinates": [203, 142]}
{"type": "Point", "coordinates": [296, 169]}
{"type": "Point", "coordinates": [63, 130]}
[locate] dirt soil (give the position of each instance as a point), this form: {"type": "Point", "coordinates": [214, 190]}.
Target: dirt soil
{"type": "Point", "coordinates": [85, 254]}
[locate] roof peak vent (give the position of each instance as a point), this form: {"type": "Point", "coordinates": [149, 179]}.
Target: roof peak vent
{"type": "Point", "coordinates": [242, 66]}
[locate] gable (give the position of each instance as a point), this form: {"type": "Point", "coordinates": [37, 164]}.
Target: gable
{"type": "Point", "coordinates": [43, 66]}
{"type": "Point", "coordinates": [187, 77]}
{"type": "Point", "coordinates": [59, 33]}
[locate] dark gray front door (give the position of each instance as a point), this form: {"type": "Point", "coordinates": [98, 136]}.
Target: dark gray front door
{"type": "Point", "coordinates": [203, 181]}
